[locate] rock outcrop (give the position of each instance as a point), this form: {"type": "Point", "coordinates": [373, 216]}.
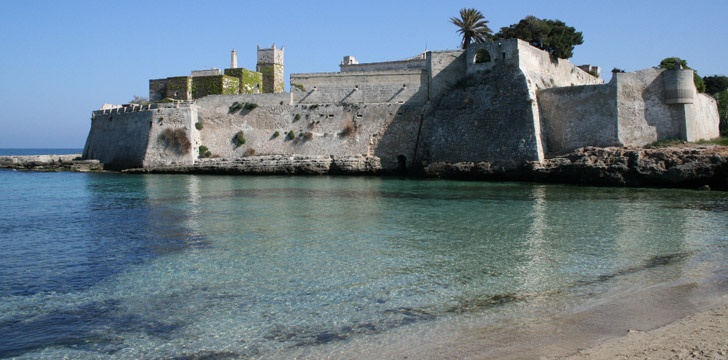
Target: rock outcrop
{"type": "Point", "coordinates": [275, 165]}
{"type": "Point", "coordinates": [70, 162]}
{"type": "Point", "coordinates": [687, 167]}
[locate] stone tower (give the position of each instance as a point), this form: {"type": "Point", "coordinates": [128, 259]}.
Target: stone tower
{"type": "Point", "coordinates": [234, 59]}
{"type": "Point", "coordinates": [270, 64]}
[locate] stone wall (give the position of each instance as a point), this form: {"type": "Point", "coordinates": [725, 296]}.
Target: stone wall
{"type": "Point", "coordinates": [363, 87]}
{"type": "Point", "coordinates": [632, 110]}
{"type": "Point", "coordinates": [384, 130]}
{"type": "Point", "coordinates": [417, 63]}
{"type": "Point", "coordinates": [705, 119]}
{"type": "Point", "coordinates": [487, 110]}
{"type": "Point", "coordinates": [573, 117]}
{"type": "Point", "coordinates": [137, 137]}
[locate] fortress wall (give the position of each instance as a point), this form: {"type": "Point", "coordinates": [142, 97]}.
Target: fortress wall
{"type": "Point", "coordinates": [119, 140]}
{"type": "Point", "coordinates": [124, 139]}
{"type": "Point", "coordinates": [358, 87]}
{"type": "Point", "coordinates": [703, 119]}
{"type": "Point", "coordinates": [173, 138]}
{"type": "Point", "coordinates": [260, 99]}
{"type": "Point", "coordinates": [488, 111]}
{"type": "Point", "coordinates": [643, 115]}
{"type": "Point", "coordinates": [384, 130]}
{"type": "Point", "coordinates": [577, 116]}
{"type": "Point", "coordinates": [543, 71]}
{"type": "Point", "coordinates": [486, 119]}
{"type": "Point", "coordinates": [446, 68]}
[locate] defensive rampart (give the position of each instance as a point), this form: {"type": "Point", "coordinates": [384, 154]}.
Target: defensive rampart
{"type": "Point", "coordinates": [135, 136]}
{"type": "Point", "coordinates": [491, 114]}
{"type": "Point", "coordinates": [634, 109]}
{"type": "Point", "coordinates": [504, 104]}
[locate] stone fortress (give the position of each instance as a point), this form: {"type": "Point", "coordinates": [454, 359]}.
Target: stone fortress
{"type": "Point", "coordinates": [502, 103]}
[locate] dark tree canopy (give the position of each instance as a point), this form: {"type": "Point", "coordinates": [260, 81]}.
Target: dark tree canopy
{"type": "Point", "coordinates": [669, 64]}
{"type": "Point", "coordinates": [722, 98]}
{"type": "Point", "coordinates": [472, 26]}
{"type": "Point", "coordinates": [553, 36]}
{"type": "Point", "coordinates": [715, 84]}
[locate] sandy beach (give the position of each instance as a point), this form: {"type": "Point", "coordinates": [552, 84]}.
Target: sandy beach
{"type": "Point", "coordinates": [703, 335]}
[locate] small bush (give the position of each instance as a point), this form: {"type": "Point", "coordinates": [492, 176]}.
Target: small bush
{"type": "Point", "coordinates": [235, 107]}
{"type": "Point", "coordinates": [308, 136]}
{"type": "Point", "coordinates": [276, 134]}
{"type": "Point", "coordinates": [176, 140]}
{"type": "Point", "coordinates": [250, 106]}
{"type": "Point", "coordinates": [291, 135]}
{"type": "Point", "coordinates": [249, 152]}
{"type": "Point", "coordinates": [204, 152]}
{"type": "Point", "coordinates": [297, 117]}
{"type": "Point", "coordinates": [239, 138]}
{"type": "Point", "coordinates": [198, 125]}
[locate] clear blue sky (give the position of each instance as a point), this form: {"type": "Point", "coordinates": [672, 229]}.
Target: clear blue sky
{"type": "Point", "coordinates": [62, 59]}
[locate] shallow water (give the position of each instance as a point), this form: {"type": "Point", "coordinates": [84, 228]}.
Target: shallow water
{"type": "Point", "coordinates": [156, 266]}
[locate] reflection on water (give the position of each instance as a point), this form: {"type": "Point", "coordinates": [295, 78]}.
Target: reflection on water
{"type": "Point", "coordinates": [220, 266]}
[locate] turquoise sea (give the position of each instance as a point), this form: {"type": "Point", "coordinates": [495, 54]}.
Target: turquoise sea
{"type": "Point", "coordinates": [105, 265]}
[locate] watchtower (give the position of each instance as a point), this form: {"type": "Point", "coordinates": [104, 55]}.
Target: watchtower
{"type": "Point", "coordinates": [270, 64]}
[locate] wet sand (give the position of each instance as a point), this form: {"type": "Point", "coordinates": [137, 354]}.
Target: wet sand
{"type": "Point", "coordinates": [703, 335]}
{"type": "Point", "coordinates": [681, 321]}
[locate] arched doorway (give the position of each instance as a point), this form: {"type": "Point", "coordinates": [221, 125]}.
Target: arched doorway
{"type": "Point", "coordinates": [402, 164]}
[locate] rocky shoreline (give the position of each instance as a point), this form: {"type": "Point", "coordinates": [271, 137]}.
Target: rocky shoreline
{"type": "Point", "coordinates": [690, 166]}
{"type": "Point", "coordinates": [71, 162]}
{"type": "Point", "coordinates": [698, 167]}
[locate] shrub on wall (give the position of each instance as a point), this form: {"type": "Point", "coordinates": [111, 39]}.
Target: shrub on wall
{"type": "Point", "coordinates": [204, 152]}
{"type": "Point", "coordinates": [176, 139]}
{"type": "Point", "coordinates": [239, 139]}
{"type": "Point", "coordinates": [198, 125]}
{"type": "Point", "coordinates": [235, 107]}
{"type": "Point", "coordinates": [250, 106]}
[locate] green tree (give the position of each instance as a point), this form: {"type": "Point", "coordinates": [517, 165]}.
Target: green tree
{"type": "Point", "coordinates": [722, 98]}
{"type": "Point", "coordinates": [553, 36]}
{"type": "Point", "coordinates": [669, 64]}
{"type": "Point", "coordinates": [715, 84]}
{"type": "Point", "coordinates": [472, 26]}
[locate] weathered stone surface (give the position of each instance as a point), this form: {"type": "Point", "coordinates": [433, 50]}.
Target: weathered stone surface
{"type": "Point", "coordinates": [689, 167]}
{"type": "Point", "coordinates": [50, 163]}
{"type": "Point", "coordinates": [275, 165]}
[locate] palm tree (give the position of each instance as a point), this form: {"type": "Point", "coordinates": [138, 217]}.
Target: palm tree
{"type": "Point", "coordinates": [472, 26]}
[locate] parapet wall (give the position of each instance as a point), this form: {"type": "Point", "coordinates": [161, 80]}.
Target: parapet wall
{"type": "Point", "coordinates": [359, 87]}
{"type": "Point", "coordinates": [417, 63]}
